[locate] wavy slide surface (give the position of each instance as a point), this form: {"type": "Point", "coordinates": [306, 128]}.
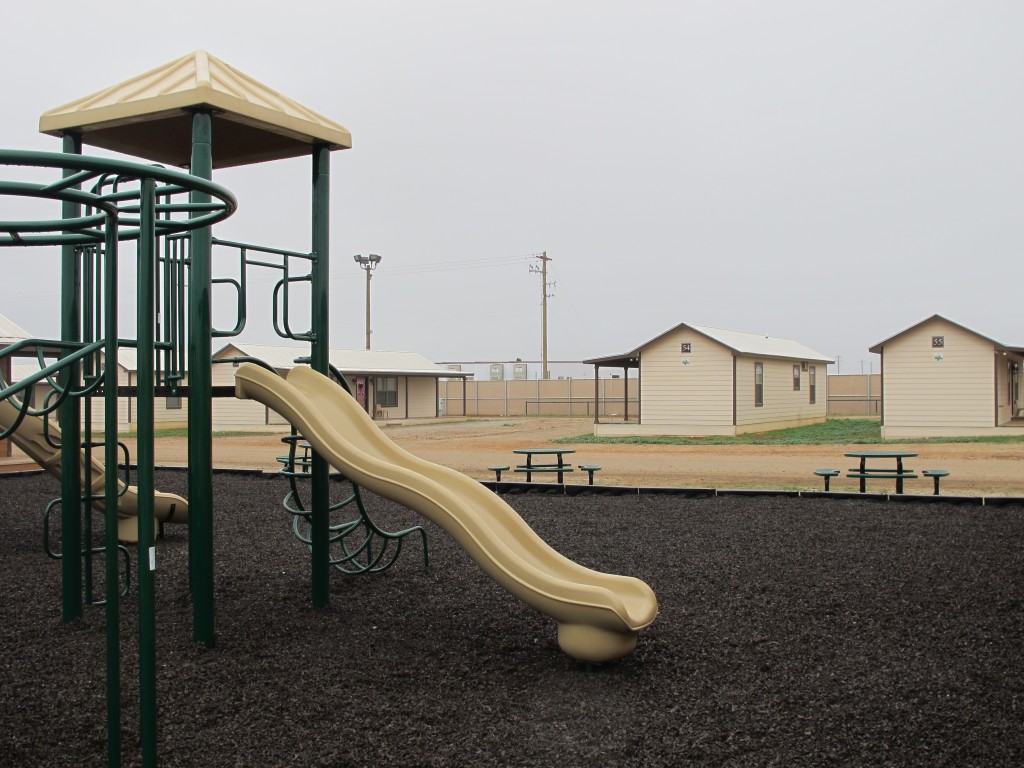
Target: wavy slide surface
{"type": "Point", "coordinates": [599, 615]}
{"type": "Point", "coordinates": [29, 437]}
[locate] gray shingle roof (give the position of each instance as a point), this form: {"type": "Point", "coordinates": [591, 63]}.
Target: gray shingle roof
{"type": "Point", "coordinates": [741, 342]}
{"type": "Point", "coordinates": [379, 362]}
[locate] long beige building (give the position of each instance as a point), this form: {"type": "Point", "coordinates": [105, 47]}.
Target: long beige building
{"type": "Point", "coordinates": [698, 380]}
{"type": "Point", "coordinates": [388, 385]}
{"type": "Point", "coordinates": [942, 379]}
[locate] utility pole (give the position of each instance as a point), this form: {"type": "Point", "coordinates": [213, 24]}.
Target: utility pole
{"type": "Point", "coordinates": [369, 263]}
{"type": "Point", "coordinates": [544, 296]}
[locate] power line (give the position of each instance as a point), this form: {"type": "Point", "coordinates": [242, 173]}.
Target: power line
{"type": "Point", "coordinates": [451, 266]}
{"type": "Point", "coordinates": [460, 266]}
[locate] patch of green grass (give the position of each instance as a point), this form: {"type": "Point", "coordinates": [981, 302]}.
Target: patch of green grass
{"type": "Point", "coordinates": [831, 432]}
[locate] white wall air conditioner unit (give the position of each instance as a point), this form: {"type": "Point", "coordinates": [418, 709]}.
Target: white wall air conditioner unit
{"type": "Point", "coordinates": [520, 371]}
{"type": "Point", "coordinates": [497, 372]}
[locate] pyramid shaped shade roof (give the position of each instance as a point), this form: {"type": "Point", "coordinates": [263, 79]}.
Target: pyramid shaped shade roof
{"type": "Point", "coordinates": [11, 332]}
{"type": "Point", "coordinates": [150, 116]}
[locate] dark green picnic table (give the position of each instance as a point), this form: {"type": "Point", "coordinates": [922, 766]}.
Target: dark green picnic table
{"type": "Point", "coordinates": [557, 466]}
{"type": "Point", "coordinates": [865, 472]}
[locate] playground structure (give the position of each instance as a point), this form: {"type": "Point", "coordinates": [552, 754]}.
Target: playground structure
{"type": "Point", "coordinates": [174, 115]}
{"type": "Point", "coordinates": [598, 614]}
{"type": "Point", "coordinates": [42, 442]}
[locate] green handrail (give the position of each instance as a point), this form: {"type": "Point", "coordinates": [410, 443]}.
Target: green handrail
{"type": "Point", "coordinates": [89, 229]}
{"type": "Point", "coordinates": [127, 201]}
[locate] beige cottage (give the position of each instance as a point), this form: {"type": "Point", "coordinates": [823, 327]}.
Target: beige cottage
{"type": "Point", "coordinates": [941, 379]}
{"type": "Point", "coordinates": [697, 380]}
{"type": "Point", "coordinates": [389, 385]}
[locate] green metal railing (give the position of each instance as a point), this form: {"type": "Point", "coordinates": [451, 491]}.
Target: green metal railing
{"type": "Point", "coordinates": [122, 205]}
{"type": "Point", "coordinates": [168, 214]}
{"type": "Point", "coordinates": [358, 544]}
{"type": "Point", "coordinates": [281, 295]}
{"type": "Point", "coordinates": [361, 544]}
{"type": "Point", "coordinates": [126, 201]}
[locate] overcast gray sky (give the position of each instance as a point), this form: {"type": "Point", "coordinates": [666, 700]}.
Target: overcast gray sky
{"type": "Point", "coordinates": [831, 172]}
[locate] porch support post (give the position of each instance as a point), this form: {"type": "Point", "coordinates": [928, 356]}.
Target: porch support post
{"type": "Point", "coordinates": [639, 396]}
{"type": "Point", "coordinates": [625, 404]}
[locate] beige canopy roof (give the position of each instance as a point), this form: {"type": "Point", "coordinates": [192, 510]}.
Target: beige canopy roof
{"type": "Point", "coordinates": [11, 332]}
{"type": "Point", "coordinates": [149, 116]}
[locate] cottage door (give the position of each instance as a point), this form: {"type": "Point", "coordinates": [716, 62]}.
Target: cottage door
{"type": "Point", "coordinates": [360, 393]}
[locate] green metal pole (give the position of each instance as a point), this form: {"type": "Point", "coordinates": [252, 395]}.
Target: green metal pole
{"type": "Point", "coordinates": [200, 409]}
{"type": "Point", "coordinates": [320, 358]}
{"type": "Point", "coordinates": [146, 328]}
{"type": "Point", "coordinates": [110, 488]}
{"type": "Point", "coordinates": [71, 421]}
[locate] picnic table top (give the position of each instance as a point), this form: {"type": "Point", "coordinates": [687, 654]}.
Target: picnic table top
{"type": "Point", "coordinates": [881, 454]}
{"type": "Point", "coordinates": [544, 450]}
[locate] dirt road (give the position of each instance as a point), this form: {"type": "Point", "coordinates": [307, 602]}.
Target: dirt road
{"type": "Point", "coordinates": [471, 446]}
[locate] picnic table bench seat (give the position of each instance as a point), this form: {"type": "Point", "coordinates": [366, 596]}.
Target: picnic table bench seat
{"type": "Point", "coordinates": [535, 468]}
{"type": "Point", "coordinates": [887, 470]}
{"type": "Point", "coordinates": [936, 474]}
{"type": "Point", "coordinates": [827, 474]}
{"type": "Point", "coordinates": [883, 474]}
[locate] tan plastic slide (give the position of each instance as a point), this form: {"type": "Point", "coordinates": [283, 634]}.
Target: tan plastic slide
{"type": "Point", "coordinates": [599, 615]}
{"type": "Point", "coordinates": [29, 437]}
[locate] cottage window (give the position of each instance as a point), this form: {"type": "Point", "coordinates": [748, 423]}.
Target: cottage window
{"type": "Point", "coordinates": [386, 391]}
{"type": "Point", "coordinates": [812, 382]}
{"type": "Point", "coordinates": [796, 378]}
{"type": "Point", "coordinates": [758, 385]}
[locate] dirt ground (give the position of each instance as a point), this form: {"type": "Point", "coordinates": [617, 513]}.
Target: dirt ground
{"type": "Point", "coordinates": [976, 469]}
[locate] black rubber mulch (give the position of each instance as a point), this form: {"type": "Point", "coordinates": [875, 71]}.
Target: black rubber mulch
{"type": "Point", "coordinates": [793, 632]}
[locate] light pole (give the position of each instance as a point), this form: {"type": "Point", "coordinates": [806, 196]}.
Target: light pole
{"type": "Point", "coordinates": [369, 263]}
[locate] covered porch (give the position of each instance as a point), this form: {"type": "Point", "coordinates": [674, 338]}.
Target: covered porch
{"type": "Point", "coordinates": [631, 409]}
